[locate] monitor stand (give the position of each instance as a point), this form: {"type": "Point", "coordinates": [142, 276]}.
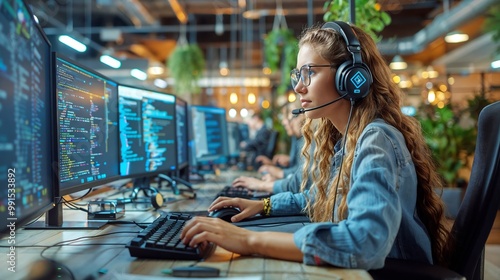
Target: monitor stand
{"type": "Point", "coordinates": [54, 220]}
{"type": "Point", "coordinates": [173, 181]}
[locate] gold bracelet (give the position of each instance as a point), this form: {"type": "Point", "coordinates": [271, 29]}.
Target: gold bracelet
{"type": "Point", "coordinates": [267, 206]}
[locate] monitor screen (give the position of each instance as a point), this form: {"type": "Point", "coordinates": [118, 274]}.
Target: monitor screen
{"type": "Point", "coordinates": [233, 132]}
{"type": "Point", "coordinates": [25, 118]}
{"type": "Point", "coordinates": [182, 133]}
{"type": "Point", "coordinates": [147, 131]}
{"type": "Point", "coordinates": [210, 134]}
{"type": "Point", "coordinates": [87, 118]}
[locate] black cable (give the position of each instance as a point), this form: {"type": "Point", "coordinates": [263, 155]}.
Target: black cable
{"type": "Point", "coordinates": [62, 243]}
{"type": "Point", "coordinates": [126, 223]}
{"type": "Point", "coordinates": [339, 174]}
{"type": "Point", "coordinates": [78, 198]}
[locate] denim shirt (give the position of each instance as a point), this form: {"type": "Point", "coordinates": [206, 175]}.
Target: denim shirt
{"type": "Point", "coordinates": [382, 221]}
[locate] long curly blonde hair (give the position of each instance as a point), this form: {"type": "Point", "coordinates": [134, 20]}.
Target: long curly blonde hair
{"type": "Point", "coordinates": [383, 101]}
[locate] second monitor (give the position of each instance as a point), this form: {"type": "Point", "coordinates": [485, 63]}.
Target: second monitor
{"type": "Point", "coordinates": [147, 132]}
{"type": "Point", "coordinates": [209, 127]}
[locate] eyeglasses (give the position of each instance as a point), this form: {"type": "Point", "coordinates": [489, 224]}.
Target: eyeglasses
{"type": "Point", "coordinates": [304, 74]}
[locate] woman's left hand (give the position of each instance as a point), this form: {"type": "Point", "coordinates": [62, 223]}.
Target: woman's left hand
{"type": "Point", "coordinates": [230, 237]}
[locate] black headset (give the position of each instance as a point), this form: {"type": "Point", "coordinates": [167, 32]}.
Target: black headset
{"type": "Point", "coordinates": [353, 78]}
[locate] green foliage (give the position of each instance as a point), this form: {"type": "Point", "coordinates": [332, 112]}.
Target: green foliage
{"type": "Point", "coordinates": [280, 52]}
{"type": "Point", "coordinates": [186, 65]}
{"type": "Point", "coordinates": [367, 16]}
{"type": "Point", "coordinates": [451, 143]}
{"type": "Point", "coordinates": [492, 23]}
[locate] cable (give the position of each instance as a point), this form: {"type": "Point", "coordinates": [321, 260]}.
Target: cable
{"type": "Point", "coordinates": [344, 138]}
{"type": "Point", "coordinates": [78, 198]}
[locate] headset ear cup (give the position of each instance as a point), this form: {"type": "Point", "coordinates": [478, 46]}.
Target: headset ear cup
{"type": "Point", "coordinates": [157, 200]}
{"type": "Point", "coordinates": [353, 81]}
{"type": "Point", "coordinates": [340, 84]}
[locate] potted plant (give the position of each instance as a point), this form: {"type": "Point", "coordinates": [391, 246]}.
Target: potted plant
{"type": "Point", "coordinates": [280, 52]}
{"type": "Point", "coordinates": [452, 145]}
{"type": "Point", "coordinates": [186, 65]}
{"type": "Point", "coordinates": [368, 15]}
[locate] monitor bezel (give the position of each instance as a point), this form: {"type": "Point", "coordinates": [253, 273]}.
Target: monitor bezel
{"type": "Point", "coordinates": [50, 204]}
{"type": "Point", "coordinates": [238, 148]}
{"type": "Point", "coordinates": [184, 103]}
{"type": "Point", "coordinates": [159, 171]}
{"type": "Point", "coordinates": [209, 160]}
{"type": "Point", "coordinates": [88, 185]}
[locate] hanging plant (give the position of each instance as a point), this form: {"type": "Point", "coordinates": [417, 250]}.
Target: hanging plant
{"type": "Point", "coordinates": [492, 24]}
{"type": "Point", "coordinates": [368, 15]}
{"type": "Point", "coordinates": [280, 49]}
{"type": "Point", "coordinates": [186, 65]}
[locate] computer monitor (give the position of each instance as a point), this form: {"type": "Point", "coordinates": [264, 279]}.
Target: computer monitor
{"type": "Point", "coordinates": [183, 150]}
{"type": "Point", "coordinates": [182, 133]}
{"type": "Point", "coordinates": [87, 127]}
{"type": "Point", "coordinates": [147, 132]}
{"type": "Point", "coordinates": [26, 138]}
{"type": "Point", "coordinates": [210, 136]}
{"type": "Point", "coordinates": [234, 139]}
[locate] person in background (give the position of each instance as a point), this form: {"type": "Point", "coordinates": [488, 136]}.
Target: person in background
{"type": "Point", "coordinates": [373, 192]}
{"type": "Point", "coordinates": [278, 180]}
{"type": "Point", "coordinates": [258, 144]}
{"type": "Point", "coordinates": [284, 165]}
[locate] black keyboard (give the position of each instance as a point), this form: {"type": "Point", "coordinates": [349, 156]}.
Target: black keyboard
{"type": "Point", "coordinates": [230, 191]}
{"type": "Point", "coordinates": [161, 240]}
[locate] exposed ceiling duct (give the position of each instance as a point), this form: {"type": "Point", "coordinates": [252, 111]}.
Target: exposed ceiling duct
{"type": "Point", "coordinates": [442, 24]}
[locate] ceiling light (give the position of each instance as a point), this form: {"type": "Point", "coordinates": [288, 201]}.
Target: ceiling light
{"type": "Point", "coordinates": [495, 64]}
{"type": "Point", "coordinates": [244, 113]}
{"type": "Point", "coordinates": [110, 61]}
{"type": "Point", "coordinates": [72, 43]}
{"type": "Point", "coordinates": [251, 98]}
{"type": "Point", "coordinates": [265, 104]}
{"type": "Point", "coordinates": [456, 37]}
{"type": "Point", "coordinates": [232, 113]}
{"type": "Point", "coordinates": [156, 68]}
{"type": "Point", "coordinates": [233, 98]}
{"type": "Point", "coordinates": [160, 83]}
{"type": "Point", "coordinates": [398, 63]}
{"type": "Point", "coordinates": [138, 74]}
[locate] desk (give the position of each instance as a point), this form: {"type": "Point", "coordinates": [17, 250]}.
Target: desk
{"type": "Point", "coordinates": [98, 253]}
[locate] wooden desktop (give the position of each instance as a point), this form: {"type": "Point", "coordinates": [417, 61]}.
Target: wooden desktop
{"type": "Point", "coordinates": [106, 257]}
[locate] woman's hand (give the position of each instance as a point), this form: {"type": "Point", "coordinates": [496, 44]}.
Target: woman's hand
{"type": "Point", "coordinates": [263, 160]}
{"type": "Point", "coordinates": [199, 230]}
{"type": "Point", "coordinates": [253, 184]}
{"type": "Point", "coordinates": [282, 160]}
{"type": "Point", "coordinates": [248, 208]}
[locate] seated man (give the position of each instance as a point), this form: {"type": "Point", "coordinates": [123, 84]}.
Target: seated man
{"type": "Point", "coordinates": [258, 144]}
{"type": "Point", "coordinates": [277, 168]}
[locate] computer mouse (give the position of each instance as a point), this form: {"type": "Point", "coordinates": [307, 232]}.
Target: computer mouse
{"type": "Point", "coordinates": [224, 213]}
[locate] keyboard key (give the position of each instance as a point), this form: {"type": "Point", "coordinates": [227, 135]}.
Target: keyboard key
{"type": "Point", "coordinates": [161, 240]}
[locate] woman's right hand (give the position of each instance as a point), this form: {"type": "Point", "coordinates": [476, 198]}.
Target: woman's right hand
{"type": "Point", "coordinates": [248, 208]}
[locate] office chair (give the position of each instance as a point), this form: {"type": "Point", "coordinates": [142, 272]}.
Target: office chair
{"type": "Point", "coordinates": [475, 217]}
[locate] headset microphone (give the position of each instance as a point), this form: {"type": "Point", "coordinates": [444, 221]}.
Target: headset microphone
{"type": "Point", "coordinates": [297, 112]}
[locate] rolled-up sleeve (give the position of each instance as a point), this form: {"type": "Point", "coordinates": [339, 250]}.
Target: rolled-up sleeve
{"type": "Point", "coordinates": [287, 203]}
{"type": "Point", "coordinates": [365, 238]}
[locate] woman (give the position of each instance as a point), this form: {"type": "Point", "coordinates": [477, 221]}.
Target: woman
{"type": "Point", "coordinates": [372, 193]}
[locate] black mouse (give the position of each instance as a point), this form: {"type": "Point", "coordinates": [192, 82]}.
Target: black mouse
{"type": "Point", "coordinates": [224, 213]}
